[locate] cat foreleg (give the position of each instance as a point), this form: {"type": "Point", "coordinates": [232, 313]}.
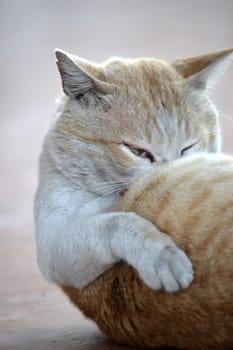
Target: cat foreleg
{"type": "Point", "coordinates": [77, 249]}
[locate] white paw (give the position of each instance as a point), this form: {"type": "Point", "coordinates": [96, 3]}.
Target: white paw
{"type": "Point", "coordinates": [168, 268]}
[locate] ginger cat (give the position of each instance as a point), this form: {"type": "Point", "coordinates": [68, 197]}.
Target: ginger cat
{"type": "Point", "coordinates": [190, 199]}
{"type": "Point", "coordinates": [117, 121]}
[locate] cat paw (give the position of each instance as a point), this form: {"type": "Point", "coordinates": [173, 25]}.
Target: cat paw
{"type": "Point", "coordinates": [171, 270]}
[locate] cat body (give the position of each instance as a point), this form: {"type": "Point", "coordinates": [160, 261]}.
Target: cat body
{"type": "Point", "coordinates": [191, 200]}
{"type": "Point", "coordinates": [117, 121]}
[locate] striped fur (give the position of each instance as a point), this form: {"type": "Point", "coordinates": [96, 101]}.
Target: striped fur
{"type": "Point", "coordinates": [192, 200]}
{"type": "Point", "coordinates": [117, 122]}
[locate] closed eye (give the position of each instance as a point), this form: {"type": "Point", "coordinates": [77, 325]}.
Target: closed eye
{"type": "Point", "coordinates": [140, 152]}
{"type": "Point", "coordinates": [184, 150]}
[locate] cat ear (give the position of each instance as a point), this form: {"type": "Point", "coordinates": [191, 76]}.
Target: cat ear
{"type": "Point", "coordinates": [203, 71]}
{"type": "Point", "coordinates": [75, 80]}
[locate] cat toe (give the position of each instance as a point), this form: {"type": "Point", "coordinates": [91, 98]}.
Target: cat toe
{"type": "Point", "coordinates": [186, 279]}
{"type": "Point", "coordinates": [168, 279]}
{"type": "Point", "coordinates": [171, 270]}
{"type": "Point", "coordinates": [180, 268]}
{"type": "Point", "coordinates": [151, 278]}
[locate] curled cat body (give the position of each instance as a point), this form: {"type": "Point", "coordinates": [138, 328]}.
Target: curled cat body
{"type": "Point", "coordinates": [190, 199]}
{"type": "Point", "coordinates": [116, 122]}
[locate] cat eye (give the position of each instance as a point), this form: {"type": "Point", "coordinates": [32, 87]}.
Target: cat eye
{"type": "Point", "coordinates": [140, 152]}
{"type": "Point", "coordinates": [187, 148]}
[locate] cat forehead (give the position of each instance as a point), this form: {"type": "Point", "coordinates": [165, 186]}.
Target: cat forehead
{"type": "Point", "coordinates": [140, 68]}
{"type": "Point", "coordinates": [147, 81]}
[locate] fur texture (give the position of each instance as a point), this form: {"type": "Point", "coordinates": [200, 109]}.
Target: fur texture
{"type": "Point", "coordinates": [117, 121]}
{"type": "Point", "coordinates": [190, 199]}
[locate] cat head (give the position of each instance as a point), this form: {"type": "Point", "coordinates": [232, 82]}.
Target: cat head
{"type": "Point", "coordinates": [120, 119]}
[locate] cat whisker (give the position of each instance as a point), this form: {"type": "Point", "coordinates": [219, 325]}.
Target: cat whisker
{"type": "Point", "coordinates": [108, 188]}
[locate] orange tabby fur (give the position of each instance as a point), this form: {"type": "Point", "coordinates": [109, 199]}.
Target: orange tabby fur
{"type": "Point", "coordinates": [191, 199]}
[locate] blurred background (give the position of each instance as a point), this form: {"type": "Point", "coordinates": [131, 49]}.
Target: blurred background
{"type": "Point", "coordinates": [30, 30]}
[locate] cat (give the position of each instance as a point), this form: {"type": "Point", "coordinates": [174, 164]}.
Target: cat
{"type": "Point", "coordinates": [117, 121]}
{"type": "Point", "coordinates": [190, 199]}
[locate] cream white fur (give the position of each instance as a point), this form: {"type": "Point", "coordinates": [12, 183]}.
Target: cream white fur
{"type": "Point", "coordinates": [79, 235]}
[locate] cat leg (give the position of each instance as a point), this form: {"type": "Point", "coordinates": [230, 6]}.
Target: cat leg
{"type": "Point", "coordinates": [159, 262]}
{"type": "Point", "coordinates": [75, 250]}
